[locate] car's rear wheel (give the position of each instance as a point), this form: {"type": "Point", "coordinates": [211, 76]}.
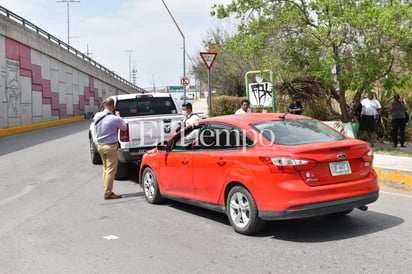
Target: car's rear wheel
{"type": "Point", "coordinates": [242, 211]}
{"type": "Point", "coordinates": [94, 153]}
{"type": "Point", "coordinates": [151, 186]}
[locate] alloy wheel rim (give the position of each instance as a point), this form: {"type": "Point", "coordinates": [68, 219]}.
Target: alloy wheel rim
{"type": "Point", "coordinates": [239, 210]}
{"type": "Point", "coordinates": [148, 185]}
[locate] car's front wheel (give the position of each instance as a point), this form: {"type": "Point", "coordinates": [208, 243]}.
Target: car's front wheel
{"type": "Point", "coordinates": [150, 186]}
{"type": "Point", "coordinates": [242, 211]}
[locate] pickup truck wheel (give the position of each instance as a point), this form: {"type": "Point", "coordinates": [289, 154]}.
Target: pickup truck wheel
{"type": "Point", "coordinates": [94, 154]}
{"type": "Point", "coordinates": [151, 187]}
{"type": "Point", "coordinates": [122, 172]}
{"type": "Point", "coordinates": [242, 211]}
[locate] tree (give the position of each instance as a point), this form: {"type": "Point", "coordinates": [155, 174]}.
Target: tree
{"type": "Point", "coordinates": [343, 45]}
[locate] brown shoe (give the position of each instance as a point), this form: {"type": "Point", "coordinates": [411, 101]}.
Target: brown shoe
{"type": "Point", "coordinates": [112, 196]}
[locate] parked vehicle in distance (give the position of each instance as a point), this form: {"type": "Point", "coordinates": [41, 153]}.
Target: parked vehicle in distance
{"type": "Point", "coordinates": [260, 167]}
{"type": "Point", "coordinates": [150, 117]}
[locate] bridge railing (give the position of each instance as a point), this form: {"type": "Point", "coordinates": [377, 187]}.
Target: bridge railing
{"type": "Point", "coordinates": [30, 26]}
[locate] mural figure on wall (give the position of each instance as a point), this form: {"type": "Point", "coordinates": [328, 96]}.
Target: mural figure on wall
{"type": "Point", "coordinates": [13, 89]}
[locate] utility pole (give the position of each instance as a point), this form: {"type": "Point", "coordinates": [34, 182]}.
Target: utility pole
{"type": "Point", "coordinates": [130, 64]}
{"type": "Point", "coordinates": [134, 75]}
{"type": "Point", "coordinates": [87, 52]}
{"type": "Point", "coordinates": [68, 16]}
{"type": "Point", "coordinates": [184, 49]}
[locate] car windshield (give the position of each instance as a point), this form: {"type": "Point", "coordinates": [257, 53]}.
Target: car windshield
{"type": "Point", "coordinates": [146, 106]}
{"type": "Point", "coordinates": [297, 132]}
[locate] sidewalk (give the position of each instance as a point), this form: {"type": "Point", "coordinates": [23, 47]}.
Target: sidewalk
{"type": "Point", "coordinates": [393, 171]}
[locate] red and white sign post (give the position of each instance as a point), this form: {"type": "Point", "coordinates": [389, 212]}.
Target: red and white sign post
{"type": "Point", "coordinates": [209, 59]}
{"type": "Point", "coordinates": [185, 81]}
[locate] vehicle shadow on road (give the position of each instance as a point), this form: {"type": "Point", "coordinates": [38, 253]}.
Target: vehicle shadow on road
{"type": "Point", "coordinates": [205, 213]}
{"type": "Point", "coordinates": [330, 228]}
{"type": "Point", "coordinates": [316, 229]}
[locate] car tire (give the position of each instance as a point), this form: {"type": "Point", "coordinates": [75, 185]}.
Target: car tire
{"type": "Point", "coordinates": [94, 153]}
{"type": "Point", "coordinates": [242, 211]}
{"type": "Point", "coordinates": [151, 187]}
{"type": "Point", "coordinates": [122, 172]}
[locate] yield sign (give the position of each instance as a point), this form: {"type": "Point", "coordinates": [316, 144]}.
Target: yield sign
{"type": "Point", "coordinates": [208, 58]}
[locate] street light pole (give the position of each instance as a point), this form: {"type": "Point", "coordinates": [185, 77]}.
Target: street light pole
{"type": "Point", "coordinates": [130, 64]}
{"type": "Point", "coordinates": [68, 17]}
{"type": "Point", "coordinates": [184, 48]}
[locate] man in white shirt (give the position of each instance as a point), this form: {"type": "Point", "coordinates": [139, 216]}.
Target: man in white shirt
{"type": "Point", "coordinates": [371, 110]}
{"type": "Point", "coordinates": [244, 107]}
{"type": "Point", "coordinates": [190, 117]}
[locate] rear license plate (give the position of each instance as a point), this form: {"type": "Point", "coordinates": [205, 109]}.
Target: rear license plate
{"type": "Point", "coordinates": [340, 168]}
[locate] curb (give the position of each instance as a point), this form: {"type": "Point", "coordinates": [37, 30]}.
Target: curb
{"type": "Point", "coordinates": [21, 129]}
{"type": "Point", "coordinates": [394, 178]}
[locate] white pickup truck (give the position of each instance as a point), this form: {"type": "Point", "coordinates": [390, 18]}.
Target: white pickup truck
{"type": "Point", "coordinates": [151, 118]}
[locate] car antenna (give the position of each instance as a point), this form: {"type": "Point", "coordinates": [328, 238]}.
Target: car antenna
{"type": "Point", "coordinates": [283, 116]}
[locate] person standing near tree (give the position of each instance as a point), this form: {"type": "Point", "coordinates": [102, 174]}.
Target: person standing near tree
{"type": "Point", "coordinates": [296, 106]}
{"type": "Point", "coordinates": [244, 107]}
{"type": "Point", "coordinates": [371, 110]}
{"type": "Point", "coordinates": [398, 110]}
{"type": "Point", "coordinates": [108, 125]}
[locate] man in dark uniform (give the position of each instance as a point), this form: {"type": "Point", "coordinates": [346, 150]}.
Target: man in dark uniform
{"type": "Point", "coordinates": [296, 106]}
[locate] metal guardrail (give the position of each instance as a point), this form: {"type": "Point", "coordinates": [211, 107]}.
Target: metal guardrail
{"type": "Point", "coordinates": [30, 26]}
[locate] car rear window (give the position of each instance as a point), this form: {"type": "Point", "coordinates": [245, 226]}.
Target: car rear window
{"type": "Point", "coordinates": [146, 106]}
{"type": "Point", "coordinates": [297, 132]}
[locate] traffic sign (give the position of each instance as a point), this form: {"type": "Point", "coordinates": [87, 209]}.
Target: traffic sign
{"type": "Point", "coordinates": [185, 81]}
{"type": "Point", "coordinates": [208, 58]}
{"type": "Point", "coordinates": [177, 88]}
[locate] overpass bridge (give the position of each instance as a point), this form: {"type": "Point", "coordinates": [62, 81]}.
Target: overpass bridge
{"type": "Point", "coordinates": [44, 81]}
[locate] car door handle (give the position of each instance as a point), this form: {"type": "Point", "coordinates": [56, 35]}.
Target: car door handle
{"type": "Point", "coordinates": [221, 163]}
{"type": "Point", "coordinates": [185, 161]}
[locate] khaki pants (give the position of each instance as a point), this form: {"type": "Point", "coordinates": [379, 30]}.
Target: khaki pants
{"type": "Point", "coordinates": [109, 156]}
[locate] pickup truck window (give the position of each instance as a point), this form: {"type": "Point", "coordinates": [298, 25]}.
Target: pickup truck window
{"type": "Point", "coordinates": [146, 106]}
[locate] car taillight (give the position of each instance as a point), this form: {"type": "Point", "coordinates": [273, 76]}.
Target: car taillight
{"type": "Point", "coordinates": [368, 157]}
{"type": "Point", "coordinates": [144, 96]}
{"type": "Point", "coordinates": [124, 134]}
{"type": "Point", "coordinates": [286, 164]}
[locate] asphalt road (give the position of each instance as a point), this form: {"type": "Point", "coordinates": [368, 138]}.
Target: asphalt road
{"type": "Point", "coordinates": [53, 219]}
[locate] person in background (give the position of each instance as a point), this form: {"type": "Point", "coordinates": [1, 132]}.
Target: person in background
{"type": "Point", "coordinates": [190, 117]}
{"type": "Point", "coordinates": [296, 106]}
{"type": "Point", "coordinates": [244, 107]}
{"type": "Point", "coordinates": [371, 110]}
{"type": "Point", "coordinates": [108, 125]}
{"type": "Point", "coordinates": [398, 110]}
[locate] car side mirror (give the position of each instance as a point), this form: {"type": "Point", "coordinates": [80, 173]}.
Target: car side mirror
{"type": "Point", "coordinates": [162, 146]}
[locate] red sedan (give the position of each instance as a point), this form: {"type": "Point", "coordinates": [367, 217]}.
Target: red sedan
{"type": "Point", "coordinates": [259, 167]}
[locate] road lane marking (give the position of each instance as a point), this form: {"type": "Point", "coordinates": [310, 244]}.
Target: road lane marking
{"type": "Point", "coordinates": [110, 237]}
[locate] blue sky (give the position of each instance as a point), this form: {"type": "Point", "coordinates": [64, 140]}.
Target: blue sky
{"type": "Point", "coordinates": [109, 28]}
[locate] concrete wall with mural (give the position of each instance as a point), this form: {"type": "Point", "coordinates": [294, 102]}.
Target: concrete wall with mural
{"type": "Point", "coordinates": [40, 81]}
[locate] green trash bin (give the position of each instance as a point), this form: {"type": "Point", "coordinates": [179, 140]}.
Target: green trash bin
{"type": "Point", "coordinates": [355, 128]}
